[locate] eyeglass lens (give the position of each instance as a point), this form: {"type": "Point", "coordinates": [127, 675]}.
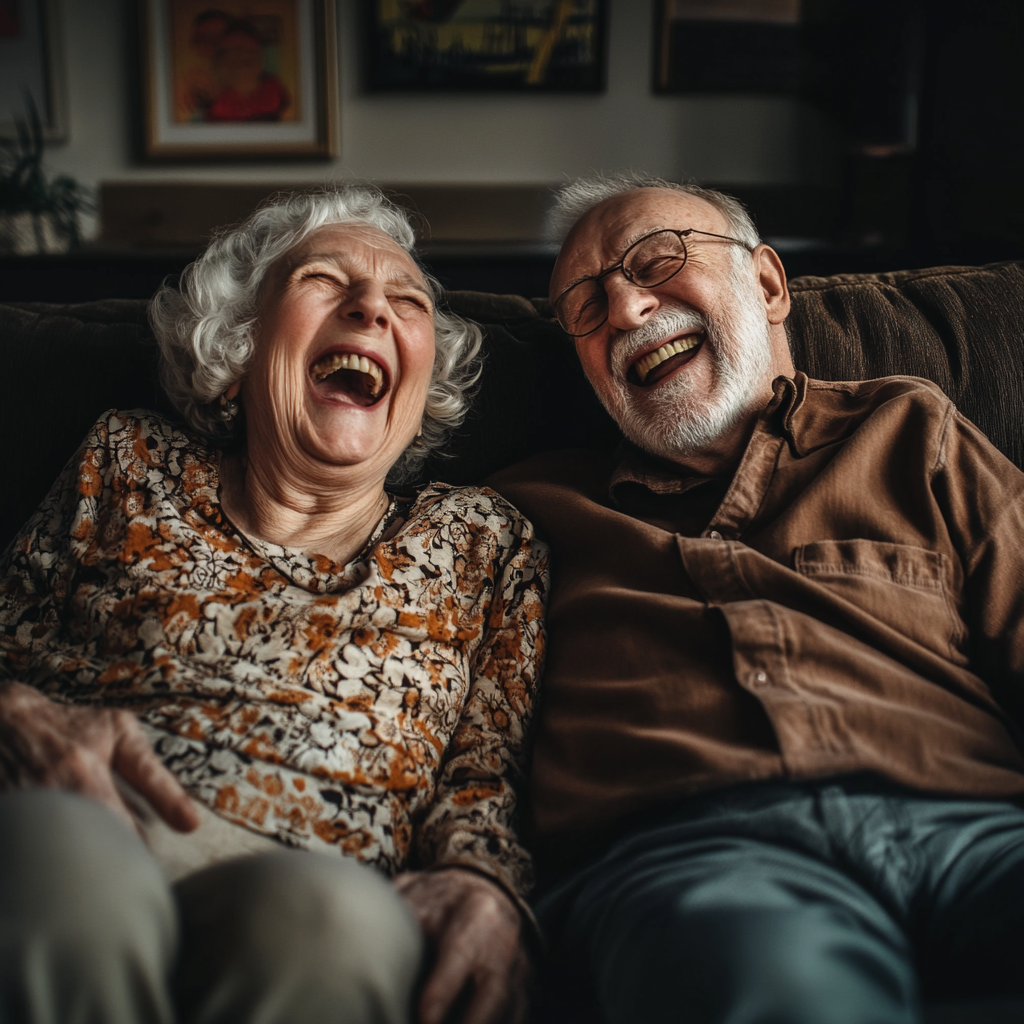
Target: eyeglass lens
{"type": "Point", "coordinates": [648, 263]}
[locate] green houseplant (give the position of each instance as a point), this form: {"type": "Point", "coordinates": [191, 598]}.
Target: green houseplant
{"type": "Point", "coordinates": [37, 213]}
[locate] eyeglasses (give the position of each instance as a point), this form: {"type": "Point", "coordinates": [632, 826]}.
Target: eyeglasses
{"type": "Point", "coordinates": [652, 260]}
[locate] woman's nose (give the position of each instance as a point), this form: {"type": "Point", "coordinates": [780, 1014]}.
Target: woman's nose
{"type": "Point", "coordinates": [366, 302]}
{"type": "Point", "coordinates": [629, 305]}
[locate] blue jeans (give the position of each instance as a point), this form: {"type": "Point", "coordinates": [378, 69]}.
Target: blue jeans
{"type": "Point", "coordinates": [836, 902]}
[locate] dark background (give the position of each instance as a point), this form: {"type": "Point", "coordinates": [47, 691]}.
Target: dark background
{"type": "Point", "coordinates": [919, 105]}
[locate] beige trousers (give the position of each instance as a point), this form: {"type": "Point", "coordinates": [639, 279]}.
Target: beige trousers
{"type": "Point", "coordinates": [92, 931]}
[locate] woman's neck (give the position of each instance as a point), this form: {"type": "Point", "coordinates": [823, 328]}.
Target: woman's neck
{"type": "Point", "coordinates": [274, 507]}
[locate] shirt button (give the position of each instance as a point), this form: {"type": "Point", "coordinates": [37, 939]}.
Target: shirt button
{"type": "Point", "coordinates": [715, 535]}
{"type": "Point", "coordinates": [760, 678]}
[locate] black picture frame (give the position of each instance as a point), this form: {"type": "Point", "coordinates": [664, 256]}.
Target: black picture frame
{"type": "Point", "coordinates": [32, 64]}
{"type": "Point", "coordinates": [727, 46]}
{"type": "Point", "coordinates": [428, 46]}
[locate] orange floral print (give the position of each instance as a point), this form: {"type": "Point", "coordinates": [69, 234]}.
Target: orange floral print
{"type": "Point", "coordinates": [379, 709]}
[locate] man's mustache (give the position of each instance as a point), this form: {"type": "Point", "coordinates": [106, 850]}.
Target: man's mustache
{"type": "Point", "coordinates": [665, 322]}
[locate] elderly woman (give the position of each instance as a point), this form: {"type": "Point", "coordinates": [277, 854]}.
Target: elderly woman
{"type": "Point", "coordinates": [251, 610]}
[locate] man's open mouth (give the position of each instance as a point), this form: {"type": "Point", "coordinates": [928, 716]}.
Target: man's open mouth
{"type": "Point", "coordinates": [654, 366]}
{"type": "Point", "coordinates": [351, 376]}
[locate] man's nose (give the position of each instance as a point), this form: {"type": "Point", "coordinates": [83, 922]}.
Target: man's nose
{"type": "Point", "coordinates": [366, 302]}
{"type": "Point", "coordinates": [629, 305]}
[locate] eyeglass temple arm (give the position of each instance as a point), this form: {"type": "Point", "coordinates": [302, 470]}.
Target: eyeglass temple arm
{"type": "Point", "coordinates": [727, 238]}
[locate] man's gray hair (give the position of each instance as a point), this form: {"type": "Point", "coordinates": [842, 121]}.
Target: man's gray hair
{"type": "Point", "coordinates": [579, 197]}
{"type": "Point", "coordinates": [207, 325]}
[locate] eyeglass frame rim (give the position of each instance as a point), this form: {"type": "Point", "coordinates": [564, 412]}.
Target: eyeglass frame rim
{"type": "Point", "coordinates": [680, 233]}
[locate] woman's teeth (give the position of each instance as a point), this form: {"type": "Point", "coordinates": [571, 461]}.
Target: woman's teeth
{"type": "Point", "coordinates": [349, 361]}
{"type": "Point", "coordinates": [667, 351]}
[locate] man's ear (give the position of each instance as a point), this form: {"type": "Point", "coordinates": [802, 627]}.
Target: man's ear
{"type": "Point", "coordinates": [771, 276]}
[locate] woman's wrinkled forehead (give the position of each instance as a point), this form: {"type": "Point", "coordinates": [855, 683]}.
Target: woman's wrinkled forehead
{"type": "Point", "coordinates": [356, 242]}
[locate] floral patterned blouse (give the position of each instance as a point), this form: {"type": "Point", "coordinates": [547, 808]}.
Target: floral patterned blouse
{"type": "Point", "coordinates": [379, 708]}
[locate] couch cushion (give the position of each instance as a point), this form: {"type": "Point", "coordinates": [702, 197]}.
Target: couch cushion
{"type": "Point", "coordinates": [60, 367]}
{"type": "Point", "coordinates": [962, 327]}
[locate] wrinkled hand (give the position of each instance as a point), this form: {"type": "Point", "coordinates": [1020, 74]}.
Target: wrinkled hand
{"type": "Point", "coordinates": [58, 746]}
{"type": "Point", "coordinates": [474, 930]}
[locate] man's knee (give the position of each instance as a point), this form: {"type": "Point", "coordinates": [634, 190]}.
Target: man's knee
{"type": "Point", "coordinates": [87, 918]}
{"type": "Point", "coordinates": [800, 966]}
{"type": "Point", "coordinates": [303, 936]}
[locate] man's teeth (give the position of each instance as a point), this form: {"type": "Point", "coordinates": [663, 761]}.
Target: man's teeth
{"type": "Point", "coordinates": [349, 361]}
{"type": "Point", "coordinates": [667, 351]}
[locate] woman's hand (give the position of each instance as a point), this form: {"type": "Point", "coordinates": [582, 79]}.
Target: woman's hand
{"type": "Point", "coordinates": [473, 929]}
{"type": "Point", "coordinates": [78, 749]}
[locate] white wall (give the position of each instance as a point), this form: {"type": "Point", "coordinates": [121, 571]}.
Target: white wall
{"type": "Point", "coordinates": [419, 138]}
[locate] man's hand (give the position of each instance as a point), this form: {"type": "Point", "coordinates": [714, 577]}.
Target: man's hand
{"type": "Point", "coordinates": [473, 929]}
{"type": "Point", "coordinates": [58, 746]}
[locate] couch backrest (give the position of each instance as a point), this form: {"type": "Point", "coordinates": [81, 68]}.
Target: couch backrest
{"type": "Point", "coordinates": [963, 327]}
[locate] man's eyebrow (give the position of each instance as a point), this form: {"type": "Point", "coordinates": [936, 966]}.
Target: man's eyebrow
{"type": "Point", "coordinates": [622, 247]}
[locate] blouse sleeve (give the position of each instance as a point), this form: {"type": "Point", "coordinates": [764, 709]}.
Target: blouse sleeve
{"type": "Point", "coordinates": [38, 570]}
{"type": "Point", "coordinates": [473, 819]}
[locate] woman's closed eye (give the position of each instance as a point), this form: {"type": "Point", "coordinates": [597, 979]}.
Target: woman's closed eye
{"type": "Point", "coordinates": [323, 277]}
{"type": "Point", "coordinates": [409, 302]}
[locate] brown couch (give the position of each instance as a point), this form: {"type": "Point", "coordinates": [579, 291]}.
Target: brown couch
{"type": "Point", "coordinates": [61, 366]}
{"type": "Point", "coordinates": [963, 327]}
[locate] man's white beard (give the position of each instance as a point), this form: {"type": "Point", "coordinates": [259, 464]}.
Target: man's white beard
{"type": "Point", "coordinates": [671, 421]}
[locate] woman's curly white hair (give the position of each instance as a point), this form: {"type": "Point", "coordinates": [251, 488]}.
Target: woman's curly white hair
{"type": "Point", "coordinates": [207, 325]}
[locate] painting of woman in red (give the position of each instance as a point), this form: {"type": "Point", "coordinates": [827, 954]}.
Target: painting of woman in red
{"type": "Point", "coordinates": [233, 68]}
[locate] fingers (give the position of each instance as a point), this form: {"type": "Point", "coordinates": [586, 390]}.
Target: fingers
{"type": "Point", "coordinates": [471, 955]}
{"type": "Point", "coordinates": [474, 929]}
{"type": "Point", "coordinates": [81, 770]}
{"type": "Point", "coordinates": [137, 763]}
{"type": "Point", "coordinates": [76, 748]}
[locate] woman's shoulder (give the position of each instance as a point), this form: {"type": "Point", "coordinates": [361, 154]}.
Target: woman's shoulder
{"type": "Point", "coordinates": [141, 435]}
{"type": "Point", "coordinates": [476, 527]}
{"type": "Point", "coordinates": [465, 503]}
{"type": "Point", "coordinates": [469, 511]}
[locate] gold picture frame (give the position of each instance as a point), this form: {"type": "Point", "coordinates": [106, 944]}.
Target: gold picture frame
{"type": "Point", "coordinates": [245, 80]}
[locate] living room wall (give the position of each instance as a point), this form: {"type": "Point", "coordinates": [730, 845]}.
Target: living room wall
{"type": "Point", "coordinates": [410, 138]}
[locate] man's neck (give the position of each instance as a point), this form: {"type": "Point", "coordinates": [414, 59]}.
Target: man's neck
{"type": "Point", "coordinates": [718, 458]}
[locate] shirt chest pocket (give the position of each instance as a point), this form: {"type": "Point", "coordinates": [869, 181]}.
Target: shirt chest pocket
{"type": "Point", "coordinates": [905, 587]}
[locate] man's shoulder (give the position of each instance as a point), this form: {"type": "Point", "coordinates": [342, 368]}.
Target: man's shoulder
{"type": "Point", "coordinates": [556, 485]}
{"type": "Point", "coordinates": [833, 411]}
{"type": "Point", "coordinates": [570, 468]}
{"type": "Point", "coordinates": [880, 389]}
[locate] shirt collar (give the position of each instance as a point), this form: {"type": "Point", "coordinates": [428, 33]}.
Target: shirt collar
{"type": "Point", "coordinates": [634, 467]}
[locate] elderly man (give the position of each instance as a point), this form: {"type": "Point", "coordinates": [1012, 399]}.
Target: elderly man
{"type": "Point", "coordinates": [774, 781]}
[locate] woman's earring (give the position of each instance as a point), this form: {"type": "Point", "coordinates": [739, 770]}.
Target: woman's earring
{"type": "Point", "coordinates": [228, 409]}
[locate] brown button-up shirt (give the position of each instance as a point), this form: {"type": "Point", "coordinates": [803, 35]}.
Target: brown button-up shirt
{"type": "Point", "coordinates": [851, 600]}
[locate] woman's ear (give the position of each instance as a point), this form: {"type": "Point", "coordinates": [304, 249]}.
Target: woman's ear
{"type": "Point", "coordinates": [772, 280]}
{"type": "Point", "coordinates": [232, 392]}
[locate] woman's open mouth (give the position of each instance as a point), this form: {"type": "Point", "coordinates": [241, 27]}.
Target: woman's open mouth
{"type": "Point", "coordinates": [657, 365]}
{"type": "Point", "coordinates": [349, 376]}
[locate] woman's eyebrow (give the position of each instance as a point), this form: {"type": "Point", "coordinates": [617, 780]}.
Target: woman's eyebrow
{"type": "Point", "coordinates": [315, 257]}
{"type": "Point", "coordinates": [407, 279]}
{"type": "Point", "coordinates": [338, 257]}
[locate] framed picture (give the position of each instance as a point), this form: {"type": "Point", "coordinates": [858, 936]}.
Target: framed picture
{"type": "Point", "coordinates": [482, 45]}
{"type": "Point", "coordinates": [240, 80]}
{"type": "Point", "coordinates": [727, 46]}
{"type": "Point", "coordinates": [31, 65]}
